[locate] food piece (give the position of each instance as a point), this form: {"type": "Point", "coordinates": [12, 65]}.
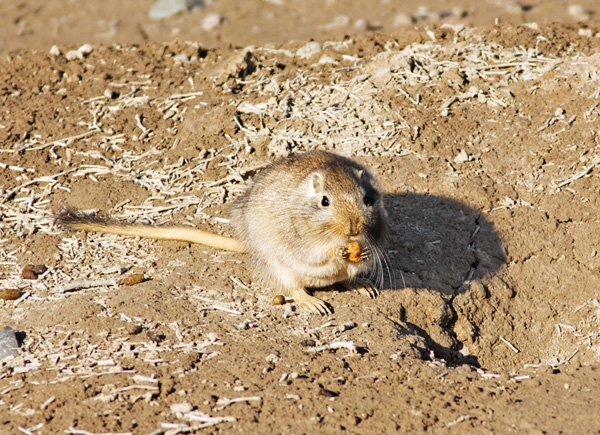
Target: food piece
{"type": "Point", "coordinates": [10, 294]}
{"type": "Point", "coordinates": [279, 300]}
{"type": "Point", "coordinates": [134, 278]}
{"type": "Point", "coordinates": [353, 250]}
{"type": "Point", "coordinates": [32, 271]}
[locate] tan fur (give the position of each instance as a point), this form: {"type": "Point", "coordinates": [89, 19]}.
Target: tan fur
{"type": "Point", "coordinates": [292, 239]}
{"type": "Point", "coordinates": [183, 234]}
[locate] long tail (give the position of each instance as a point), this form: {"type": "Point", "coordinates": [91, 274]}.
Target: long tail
{"type": "Point", "coordinates": [76, 220]}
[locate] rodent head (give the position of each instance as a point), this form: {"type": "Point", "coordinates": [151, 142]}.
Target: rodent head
{"type": "Point", "coordinates": [342, 204]}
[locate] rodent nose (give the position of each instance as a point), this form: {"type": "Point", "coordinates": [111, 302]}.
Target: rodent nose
{"type": "Point", "coordinates": [354, 227]}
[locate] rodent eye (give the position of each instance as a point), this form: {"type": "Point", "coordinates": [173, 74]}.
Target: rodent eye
{"type": "Point", "coordinates": [371, 196]}
{"type": "Point", "coordinates": [325, 201]}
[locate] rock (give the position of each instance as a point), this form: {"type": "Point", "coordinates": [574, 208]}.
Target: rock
{"type": "Point", "coordinates": [361, 25]}
{"type": "Point", "coordinates": [54, 51]}
{"type": "Point", "coordinates": [309, 49]}
{"type": "Point", "coordinates": [181, 408]}
{"type": "Point", "coordinates": [9, 346]}
{"type": "Point", "coordinates": [326, 59]}
{"type": "Point", "coordinates": [402, 20]}
{"type": "Point", "coordinates": [167, 8]}
{"type": "Point", "coordinates": [80, 53]}
{"type": "Point", "coordinates": [211, 21]}
{"type": "Point", "coordinates": [579, 13]}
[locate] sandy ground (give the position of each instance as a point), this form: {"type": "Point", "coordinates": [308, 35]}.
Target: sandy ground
{"type": "Point", "coordinates": [483, 132]}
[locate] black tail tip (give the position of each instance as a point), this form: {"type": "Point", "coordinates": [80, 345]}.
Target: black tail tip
{"type": "Point", "coordinates": [66, 217]}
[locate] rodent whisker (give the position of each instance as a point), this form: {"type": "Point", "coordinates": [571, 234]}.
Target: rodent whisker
{"type": "Point", "coordinates": [380, 265]}
{"type": "Point", "coordinates": [386, 263]}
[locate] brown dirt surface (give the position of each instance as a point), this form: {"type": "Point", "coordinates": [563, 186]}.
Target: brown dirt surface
{"type": "Point", "coordinates": [483, 132]}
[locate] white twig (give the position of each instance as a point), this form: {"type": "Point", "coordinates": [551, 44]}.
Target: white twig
{"type": "Point", "coordinates": [460, 420]}
{"type": "Point", "coordinates": [205, 418]}
{"type": "Point", "coordinates": [66, 139]}
{"type": "Point", "coordinates": [225, 402]}
{"type": "Point", "coordinates": [74, 431]}
{"type": "Point", "coordinates": [335, 345]}
{"type": "Point", "coordinates": [44, 179]}
{"type": "Point", "coordinates": [191, 94]}
{"type": "Point", "coordinates": [215, 306]}
{"type": "Point", "coordinates": [87, 283]}
{"type": "Point", "coordinates": [581, 174]}
{"type": "Point", "coordinates": [47, 402]}
{"type": "Point", "coordinates": [514, 349]}
{"type": "Point", "coordinates": [145, 131]}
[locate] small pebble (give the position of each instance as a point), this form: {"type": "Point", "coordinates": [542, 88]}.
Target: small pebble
{"type": "Point", "coordinates": [402, 20]}
{"type": "Point", "coordinates": [73, 55]}
{"type": "Point", "coordinates": [349, 325]}
{"type": "Point", "coordinates": [211, 21]}
{"type": "Point", "coordinates": [326, 59]}
{"type": "Point", "coordinates": [181, 408]}
{"type": "Point", "coordinates": [80, 53]}
{"type": "Point", "coordinates": [134, 328]}
{"type": "Point", "coordinates": [85, 49]}
{"type": "Point", "coordinates": [181, 58]}
{"type": "Point", "coordinates": [361, 25]}
{"type": "Point", "coordinates": [54, 51]}
{"type": "Point", "coordinates": [166, 8]}
{"type": "Point", "coordinates": [462, 157]}
{"type": "Point", "coordinates": [579, 13]}
{"type": "Point", "coordinates": [272, 358]}
{"type": "Point", "coordinates": [110, 94]}
{"type": "Point", "coordinates": [309, 342]}
{"type": "Point", "coordinates": [309, 49]}
{"type": "Point", "coordinates": [328, 393]}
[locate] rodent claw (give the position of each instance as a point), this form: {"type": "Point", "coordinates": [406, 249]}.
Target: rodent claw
{"type": "Point", "coordinates": [340, 252]}
{"type": "Point", "coordinates": [362, 286]}
{"type": "Point", "coordinates": [311, 303]}
{"type": "Point", "coordinates": [353, 256]}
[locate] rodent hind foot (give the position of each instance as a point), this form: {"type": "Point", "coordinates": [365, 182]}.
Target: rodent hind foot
{"type": "Point", "coordinates": [311, 303]}
{"type": "Point", "coordinates": [362, 286]}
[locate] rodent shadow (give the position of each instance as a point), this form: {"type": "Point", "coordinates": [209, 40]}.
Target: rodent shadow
{"type": "Point", "coordinates": [439, 243]}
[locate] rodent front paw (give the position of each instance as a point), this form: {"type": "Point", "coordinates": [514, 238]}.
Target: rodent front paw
{"type": "Point", "coordinates": [354, 253]}
{"type": "Point", "coordinates": [339, 252]}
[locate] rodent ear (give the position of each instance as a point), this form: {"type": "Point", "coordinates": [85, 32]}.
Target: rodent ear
{"type": "Point", "coordinates": [317, 182]}
{"type": "Point", "coordinates": [362, 175]}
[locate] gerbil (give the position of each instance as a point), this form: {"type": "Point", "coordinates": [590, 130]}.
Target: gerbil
{"type": "Point", "coordinates": [295, 222]}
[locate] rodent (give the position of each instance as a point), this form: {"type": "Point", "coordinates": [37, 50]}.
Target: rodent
{"type": "Point", "coordinates": [295, 222]}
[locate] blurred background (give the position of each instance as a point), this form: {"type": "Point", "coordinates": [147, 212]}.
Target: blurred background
{"type": "Point", "coordinates": [39, 24]}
